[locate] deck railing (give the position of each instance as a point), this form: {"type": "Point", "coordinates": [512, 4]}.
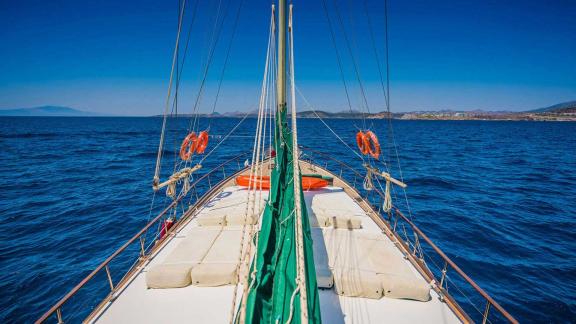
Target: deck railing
{"type": "Point", "coordinates": [139, 238]}
{"type": "Point", "coordinates": [392, 219]}
{"type": "Point", "coordinates": [412, 246]}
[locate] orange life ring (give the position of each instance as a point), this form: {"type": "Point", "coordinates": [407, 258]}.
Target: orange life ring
{"type": "Point", "coordinates": [188, 146]}
{"type": "Point", "coordinates": [373, 144]}
{"type": "Point", "coordinates": [202, 142]}
{"type": "Point", "coordinates": [263, 182]}
{"type": "Point", "coordinates": [362, 142]}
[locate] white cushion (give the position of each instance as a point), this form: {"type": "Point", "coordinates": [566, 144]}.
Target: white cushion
{"type": "Point", "coordinates": [226, 247]}
{"type": "Point", "coordinates": [214, 274]}
{"type": "Point", "coordinates": [346, 222]}
{"type": "Point", "coordinates": [404, 287]}
{"type": "Point", "coordinates": [345, 219]}
{"type": "Point", "coordinates": [353, 282]}
{"type": "Point", "coordinates": [235, 219]}
{"type": "Point", "coordinates": [168, 276]}
{"type": "Point", "coordinates": [317, 218]}
{"type": "Point", "coordinates": [210, 219]}
{"type": "Point", "coordinates": [194, 247]}
{"type": "Point", "coordinates": [324, 276]}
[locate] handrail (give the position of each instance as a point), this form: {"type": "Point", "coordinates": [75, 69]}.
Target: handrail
{"type": "Point", "coordinates": [457, 268]}
{"type": "Point", "coordinates": [104, 265]}
{"type": "Point", "coordinates": [446, 259]}
{"type": "Point", "coordinates": [56, 308]}
{"type": "Point", "coordinates": [356, 173]}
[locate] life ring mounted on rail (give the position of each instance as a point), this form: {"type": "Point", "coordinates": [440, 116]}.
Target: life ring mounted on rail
{"type": "Point", "coordinates": [202, 142]}
{"type": "Point", "coordinates": [368, 143]}
{"type": "Point", "coordinates": [193, 144]}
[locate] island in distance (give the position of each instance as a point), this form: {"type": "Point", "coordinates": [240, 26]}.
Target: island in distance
{"type": "Point", "coordinates": [561, 112]}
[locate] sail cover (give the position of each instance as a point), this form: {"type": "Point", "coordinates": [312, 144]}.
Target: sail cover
{"type": "Point", "coordinates": [270, 297]}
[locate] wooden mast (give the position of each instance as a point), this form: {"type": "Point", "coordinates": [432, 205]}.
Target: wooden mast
{"type": "Point", "coordinates": [281, 79]}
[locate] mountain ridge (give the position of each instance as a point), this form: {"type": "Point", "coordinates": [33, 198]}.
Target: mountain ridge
{"type": "Point", "coordinates": [48, 111]}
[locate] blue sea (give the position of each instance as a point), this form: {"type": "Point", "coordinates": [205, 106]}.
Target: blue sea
{"type": "Point", "coordinates": [499, 198]}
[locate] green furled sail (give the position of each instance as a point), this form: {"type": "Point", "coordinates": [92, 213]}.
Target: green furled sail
{"type": "Point", "coordinates": [273, 296]}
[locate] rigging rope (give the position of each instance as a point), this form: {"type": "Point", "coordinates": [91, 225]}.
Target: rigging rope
{"type": "Point", "coordinates": [354, 61]}
{"type": "Point", "coordinates": [301, 268]}
{"type": "Point", "coordinates": [339, 60]}
{"type": "Point", "coordinates": [256, 167]}
{"type": "Point", "coordinates": [174, 56]}
{"type": "Point", "coordinates": [325, 124]}
{"type": "Point", "coordinates": [216, 32]}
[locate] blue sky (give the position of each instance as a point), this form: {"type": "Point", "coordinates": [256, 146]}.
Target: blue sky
{"type": "Point", "coordinates": [114, 56]}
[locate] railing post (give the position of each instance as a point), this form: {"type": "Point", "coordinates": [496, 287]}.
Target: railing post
{"type": "Point", "coordinates": [224, 172]}
{"type": "Point", "coordinates": [209, 183]}
{"type": "Point", "coordinates": [59, 316]}
{"type": "Point", "coordinates": [486, 312]}
{"type": "Point", "coordinates": [443, 278]}
{"type": "Point", "coordinates": [109, 278]}
{"type": "Point", "coordinates": [142, 251]}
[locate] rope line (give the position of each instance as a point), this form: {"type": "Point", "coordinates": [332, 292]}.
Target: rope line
{"type": "Point", "coordinates": [174, 56]}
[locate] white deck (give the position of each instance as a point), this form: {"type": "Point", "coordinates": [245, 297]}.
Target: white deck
{"type": "Point", "coordinates": [135, 303]}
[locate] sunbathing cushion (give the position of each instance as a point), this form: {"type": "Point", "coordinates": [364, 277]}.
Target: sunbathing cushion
{"type": "Point", "coordinates": [238, 219]}
{"type": "Point", "coordinates": [346, 222]}
{"type": "Point", "coordinates": [353, 282]}
{"type": "Point", "coordinates": [226, 247]}
{"type": "Point", "coordinates": [194, 247]}
{"type": "Point", "coordinates": [211, 218]}
{"type": "Point", "coordinates": [168, 276]}
{"type": "Point", "coordinates": [323, 273]}
{"type": "Point", "coordinates": [344, 219]}
{"type": "Point", "coordinates": [338, 200]}
{"type": "Point", "coordinates": [318, 218]}
{"type": "Point", "coordinates": [404, 287]}
{"type": "Point", "coordinates": [214, 274]}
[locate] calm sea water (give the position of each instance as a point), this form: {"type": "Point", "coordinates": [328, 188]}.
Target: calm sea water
{"type": "Point", "coordinates": [498, 197]}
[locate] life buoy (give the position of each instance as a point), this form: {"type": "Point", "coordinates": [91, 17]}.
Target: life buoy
{"type": "Point", "coordinates": [368, 143]}
{"type": "Point", "coordinates": [188, 146]}
{"type": "Point", "coordinates": [373, 144]}
{"type": "Point", "coordinates": [263, 182]}
{"type": "Point", "coordinates": [202, 142]}
{"type": "Point", "coordinates": [362, 142]}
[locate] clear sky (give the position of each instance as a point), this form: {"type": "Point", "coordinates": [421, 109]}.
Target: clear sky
{"type": "Point", "coordinates": [114, 56]}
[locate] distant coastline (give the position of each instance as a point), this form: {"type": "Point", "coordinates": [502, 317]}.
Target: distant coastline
{"type": "Point", "coordinates": [561, 112]}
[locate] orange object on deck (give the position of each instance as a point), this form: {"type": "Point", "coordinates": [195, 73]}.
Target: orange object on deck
{"type": "Point", "coordinates": [263, 182]}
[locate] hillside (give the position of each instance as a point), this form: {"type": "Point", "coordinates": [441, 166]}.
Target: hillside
{"type": "Point", "coordinates": [46, 111]}
{"type": "Point", "coordinates": [555, 108]}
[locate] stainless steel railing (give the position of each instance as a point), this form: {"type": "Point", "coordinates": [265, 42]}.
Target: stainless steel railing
{"type": "Point", "coordinates": [413, 246]}
{"type": "Point", "coordinates": [139, 237]}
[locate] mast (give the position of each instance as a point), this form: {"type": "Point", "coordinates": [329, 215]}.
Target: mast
{"type": "Point", "coordinates": [281, 78]}
{"type": "Point", "coordinates": [282, 285]}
